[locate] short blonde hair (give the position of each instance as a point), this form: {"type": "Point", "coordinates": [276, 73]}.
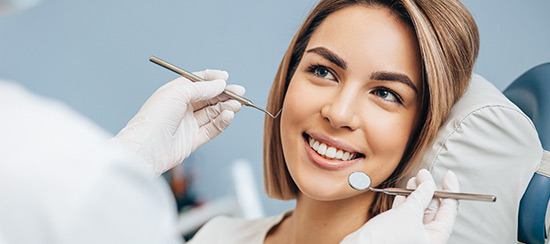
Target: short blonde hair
{"type": "Point", "coordinates": [448, 40]}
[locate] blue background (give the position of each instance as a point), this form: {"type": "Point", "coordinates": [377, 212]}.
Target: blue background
{"type": "Point", "coordinates": [93, 55]}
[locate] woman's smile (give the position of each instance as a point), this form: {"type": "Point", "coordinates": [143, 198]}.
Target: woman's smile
{"type": "Point", "coordinates": [330, 153]}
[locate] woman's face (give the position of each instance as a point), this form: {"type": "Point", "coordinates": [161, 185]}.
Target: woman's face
{"type": "Point", "coordinates": [352, 103]}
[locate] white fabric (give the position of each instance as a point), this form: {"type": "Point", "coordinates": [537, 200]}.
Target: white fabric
{"type": "Point", "coordinates": [61, 182]}
{"type": "Point", "coordinates": [229, 230]}
{"type": "Point", "coordinates": [493, 148]}
{"type": "Point", "coordinates": [544, 168]}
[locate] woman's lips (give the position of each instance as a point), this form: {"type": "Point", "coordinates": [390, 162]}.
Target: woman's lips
{"type": "Point", "coordinates": [326, 163]}
{"type": "Point", "coordinates": [331, 141]}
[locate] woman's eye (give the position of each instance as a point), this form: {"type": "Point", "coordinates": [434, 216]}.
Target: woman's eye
{"type": "Point", "coordinates": [387, 95]}
{"type": "Point", "coordinates": [323, 73]}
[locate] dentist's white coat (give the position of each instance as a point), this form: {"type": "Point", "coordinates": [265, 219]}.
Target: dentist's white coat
{"type": "Point", "coordinates": [62, 182]}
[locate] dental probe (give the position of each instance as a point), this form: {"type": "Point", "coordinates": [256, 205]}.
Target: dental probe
{"type": "Point", "coordinates": [195, 78]}
{"type": "Point", "coordinates": [361, 181]}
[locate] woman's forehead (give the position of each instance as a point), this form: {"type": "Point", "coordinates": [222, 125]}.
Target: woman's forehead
{"type": "Point", "coordinates": [369, 37]}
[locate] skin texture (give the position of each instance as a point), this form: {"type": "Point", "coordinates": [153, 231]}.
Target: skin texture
{"type": "Point", "coordinates": [365, 107]}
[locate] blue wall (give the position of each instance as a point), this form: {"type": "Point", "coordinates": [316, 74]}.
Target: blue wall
{"type": "Point", "coordinates": [93, 55]}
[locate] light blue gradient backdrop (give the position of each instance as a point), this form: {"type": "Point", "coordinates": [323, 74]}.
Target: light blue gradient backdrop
{"type": "Point", "coordinates": [93, 55]}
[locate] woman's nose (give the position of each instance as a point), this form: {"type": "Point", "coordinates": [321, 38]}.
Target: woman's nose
{"type": "Point", "coordinates": [340, 112]}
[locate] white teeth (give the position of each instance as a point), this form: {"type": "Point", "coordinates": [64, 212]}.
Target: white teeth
{"type": "Point", "coordinates": [330, 152]}
{"type": "Point", "coordinates": [346, 156]}
{"type": "Point", "coordinates": [315, 145]}
{"type": "Point", "coordinates": [339, 154]}
{"type": "Point", "coordinates": [322, 149]}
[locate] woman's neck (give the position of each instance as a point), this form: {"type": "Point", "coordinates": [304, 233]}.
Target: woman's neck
{"type": "Point", "coordinates": [316, 221]}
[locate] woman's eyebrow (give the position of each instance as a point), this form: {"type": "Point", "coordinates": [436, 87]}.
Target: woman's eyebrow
{"type": "Point", "coordinates": [378, 75]}
{"type": "Point", "coordinates": [330, 56]}
{"type": "Point", "coordinates": [392, 76]}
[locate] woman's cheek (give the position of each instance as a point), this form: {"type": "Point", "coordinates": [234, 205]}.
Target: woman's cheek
{"type": "Point", "coordinates": [303, 99]}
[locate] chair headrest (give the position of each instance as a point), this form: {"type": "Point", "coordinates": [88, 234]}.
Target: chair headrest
{"type": "Point", "coordinates": [493, 148]}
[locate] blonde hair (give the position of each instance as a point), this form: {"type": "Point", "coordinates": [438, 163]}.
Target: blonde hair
{"type": "Point", "coordinates": [448, 40]}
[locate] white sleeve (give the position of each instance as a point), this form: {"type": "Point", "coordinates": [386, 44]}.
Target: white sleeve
{"type": "Point", "coordinates": [122, 204]}
{"type": "Point", "coordinates": [61, 181]}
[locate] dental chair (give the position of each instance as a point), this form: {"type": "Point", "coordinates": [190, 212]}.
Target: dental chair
{"type": "Point", "coordinates": [494, 148]}
{"type": "Point", "coordinates": [531, 93]}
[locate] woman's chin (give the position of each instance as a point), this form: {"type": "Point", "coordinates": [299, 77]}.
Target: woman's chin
{"type": "Point", "coordinates": [327, 191]}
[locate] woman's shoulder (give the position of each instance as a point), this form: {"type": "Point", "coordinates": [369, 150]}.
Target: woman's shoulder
{"type": "Point", "coordinates": [225, 229]}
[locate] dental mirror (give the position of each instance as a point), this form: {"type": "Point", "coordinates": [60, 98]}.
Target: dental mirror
{"type": "Point", "coordinates": [361, 181]}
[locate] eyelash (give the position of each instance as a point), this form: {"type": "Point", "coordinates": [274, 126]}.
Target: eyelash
{"type": "Point", "coordinates": [398, 98]}
{"type": "Point", "coordinates": [314, 67]}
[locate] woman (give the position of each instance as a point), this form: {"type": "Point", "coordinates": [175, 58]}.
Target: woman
{"type": "Point", "coordinates": [364, 86]}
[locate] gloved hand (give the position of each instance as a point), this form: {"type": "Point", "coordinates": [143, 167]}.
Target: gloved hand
{"type": "Point", "coordinates": [414, 219]}
{"type": "Point", "coordinates": [178, 118]}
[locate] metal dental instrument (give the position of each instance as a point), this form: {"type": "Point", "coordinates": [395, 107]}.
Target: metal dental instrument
{"type": "Point", "coordinates": [360, 181]}
{"type": "Point", "coordinates": [195, 78]}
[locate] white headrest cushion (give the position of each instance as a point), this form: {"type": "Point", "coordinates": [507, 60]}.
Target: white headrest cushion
{"type": "Point", "coordinates": [493, 148]}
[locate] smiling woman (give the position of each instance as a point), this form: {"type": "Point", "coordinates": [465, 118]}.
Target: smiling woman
{"type": "Point", "coordinates": [363, 86]}
{"type": "Point", "coordinates": [347, 106]}
{"type": "Point", "coordinates": [417, 54]}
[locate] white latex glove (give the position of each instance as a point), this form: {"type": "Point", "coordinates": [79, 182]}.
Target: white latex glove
{"type": "Point", "coordinates": [414, 219]}
{"type": "Point", "coordinates": [178, 118]}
